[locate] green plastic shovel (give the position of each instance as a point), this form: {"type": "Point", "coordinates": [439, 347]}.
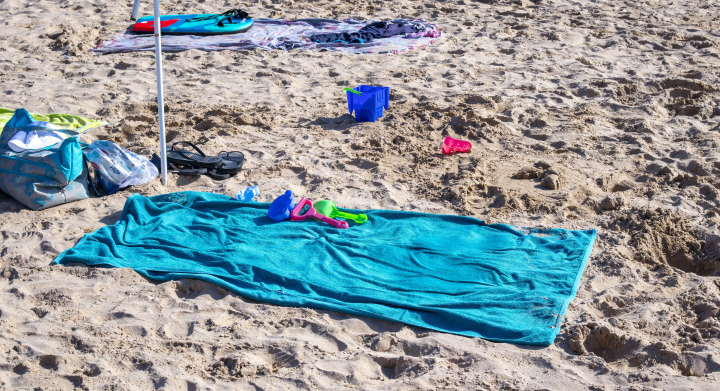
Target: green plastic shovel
{"type": "Point", "coordinates": [329, 208]}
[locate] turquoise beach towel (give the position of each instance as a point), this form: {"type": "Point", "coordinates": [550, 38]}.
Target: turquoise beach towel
{"type": "Point", "coordinates": [448, 273]}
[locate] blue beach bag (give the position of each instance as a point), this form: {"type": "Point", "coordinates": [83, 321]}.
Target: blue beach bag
{"type": "Point", "coordinates": [44, 177]}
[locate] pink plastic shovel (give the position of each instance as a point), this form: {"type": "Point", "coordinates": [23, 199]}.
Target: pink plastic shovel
{"type": "Point", "coordinates": [451, 145]}
{"type": "Point", "coordinates": [312, 214]}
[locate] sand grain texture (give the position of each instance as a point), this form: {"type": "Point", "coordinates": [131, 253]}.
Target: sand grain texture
{"type": "Point", "coordinates": [583, 114]}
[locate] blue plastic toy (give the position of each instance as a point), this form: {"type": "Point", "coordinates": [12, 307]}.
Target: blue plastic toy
{"type": "Point", "coordinates": [367, 102]}
{"type": "Point", "coordinates": [282, 206]}
{"type": "Point", "coordinates": [248, 194]}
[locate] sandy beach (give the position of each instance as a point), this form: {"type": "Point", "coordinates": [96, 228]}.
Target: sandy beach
{"type": "Point", "coordinates": [617, 101]}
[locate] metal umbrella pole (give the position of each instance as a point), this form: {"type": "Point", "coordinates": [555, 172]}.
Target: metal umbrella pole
{"type": "Point", "coordinates": [136, 8]}
{"type": "Point", "coordinates": [160, 100]}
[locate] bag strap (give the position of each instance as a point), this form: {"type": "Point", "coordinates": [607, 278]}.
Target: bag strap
{"type": "Point", "coordinates": [228, 16]}
{"type": "Point", "coordinates": [70, 132]}
{"type": "Point", "coordinates": [228, 19]}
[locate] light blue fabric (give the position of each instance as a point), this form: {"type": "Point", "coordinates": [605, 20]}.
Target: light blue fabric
{"type": "Point", "coordinates": [448, 273]}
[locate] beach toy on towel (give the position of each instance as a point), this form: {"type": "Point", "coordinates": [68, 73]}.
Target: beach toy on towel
{"type": "Point", "coordinates": [367, 102]}
{"type": "Point", "coordinates": [229, 22]}
{"type": "Point", "coordinates": [281, 208]}
{"type": "Point", "coordinates": [312, 213]}
{"type": "Point", "coordinates": [451, 145]}
{"type": "Point", "coordinates": [329, 208]}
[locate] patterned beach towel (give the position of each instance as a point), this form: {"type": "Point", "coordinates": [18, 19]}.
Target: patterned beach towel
{"type": "Point", "coordinates": [282, 34]}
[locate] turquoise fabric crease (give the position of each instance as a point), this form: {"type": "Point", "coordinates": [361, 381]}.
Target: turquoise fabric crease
{"type": "Point", "coordinates": [448, 273]}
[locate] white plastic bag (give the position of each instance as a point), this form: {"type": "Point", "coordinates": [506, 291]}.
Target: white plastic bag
{"type": "Point", "coordinates": [119, 165]}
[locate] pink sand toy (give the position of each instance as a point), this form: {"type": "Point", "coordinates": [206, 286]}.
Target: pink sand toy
{"type": "Point", "coordinates": [451, 145]}
{"type": "Point", "coordinates": [312, 214]}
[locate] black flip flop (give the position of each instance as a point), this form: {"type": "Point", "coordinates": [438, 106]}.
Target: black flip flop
{"type": "Point", "coordinates": [189, 158]}
{"type": "Point", "coordinates": [217, 175]}
{"type": "Point", "coordinates": [178, 169]}
{"type": "Point", "coordinates": [232, 162]}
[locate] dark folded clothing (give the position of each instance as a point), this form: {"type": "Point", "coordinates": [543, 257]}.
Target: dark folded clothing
{"type": "Point", "coordinates": [368, 33]}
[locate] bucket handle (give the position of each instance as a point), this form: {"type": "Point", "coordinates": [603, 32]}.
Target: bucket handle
{"type": "Point", "coordinates": [347, 89]}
